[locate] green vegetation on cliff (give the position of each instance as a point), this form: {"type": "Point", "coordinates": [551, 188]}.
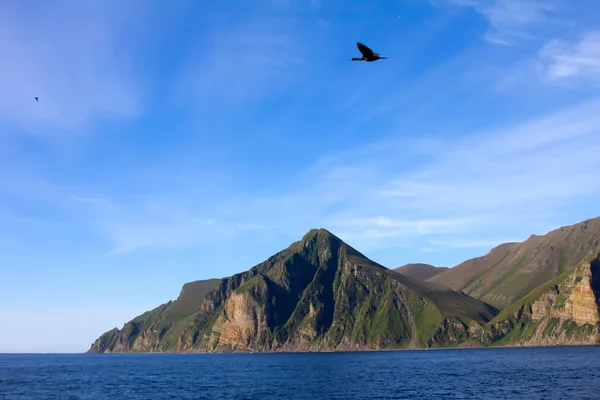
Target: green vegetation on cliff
{"type": "Point", "coordinates": [564, 310]}
{"type": "Point", "coordinates": [319, 293]}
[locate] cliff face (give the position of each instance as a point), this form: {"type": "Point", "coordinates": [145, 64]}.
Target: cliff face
{"type": "Point", "coordinates": [511, 270]}
{"type": "Point", "coordinates": [319, 294]}
{"type": "Point", "coordinates": [563, 311]}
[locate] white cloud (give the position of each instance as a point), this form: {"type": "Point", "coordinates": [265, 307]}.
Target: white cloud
{"type": "Point", "coordinates": [503, 182]}
{"type": "Point", "coordinates": [65, 54]}
{"type": "Point", "coordinates": [372, 195]}
{"type": "Point", "coordinates": [562, 60]}
{"type": "Point", "coordinates": [469, 189]}
{"type": "Point", "coordinates": [533, 157]}
{"type": "Point", "coordinates": [509, 19]}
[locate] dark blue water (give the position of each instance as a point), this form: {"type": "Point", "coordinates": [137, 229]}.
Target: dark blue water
{"type": "Point", "coordinates": [534, 373]}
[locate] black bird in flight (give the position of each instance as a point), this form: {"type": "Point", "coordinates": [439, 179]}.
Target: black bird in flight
{"type": "Point", "coordinates": [36, 99]}
{"type": "Point", "coordinates": [367, 54]}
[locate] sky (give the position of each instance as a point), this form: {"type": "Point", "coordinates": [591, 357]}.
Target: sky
{"type": "Point", "coordinates": [185, 140]}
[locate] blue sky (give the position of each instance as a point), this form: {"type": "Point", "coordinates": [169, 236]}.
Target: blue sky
{"type": "Point", "coordinates": [184, 140]}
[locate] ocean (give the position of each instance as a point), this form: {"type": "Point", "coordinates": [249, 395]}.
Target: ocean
{"type": "Point", "coordinates": [500, 373]}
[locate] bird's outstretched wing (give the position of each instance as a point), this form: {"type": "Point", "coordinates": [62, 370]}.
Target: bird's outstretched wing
{"type": "Point", "coordinates": [365, 51]}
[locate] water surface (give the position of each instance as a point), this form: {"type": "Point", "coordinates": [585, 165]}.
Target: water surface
{"type": "Point", "coordinates": [519, 373]}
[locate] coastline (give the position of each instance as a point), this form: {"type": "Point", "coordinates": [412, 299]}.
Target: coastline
{"type": "Point", "coordinates": [366, 350]}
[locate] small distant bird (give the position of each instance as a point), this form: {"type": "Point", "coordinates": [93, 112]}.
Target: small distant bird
{"type": "Point", "coordinates": [367, 54]}
{"type": "Point", "coordinates": [36, 99]}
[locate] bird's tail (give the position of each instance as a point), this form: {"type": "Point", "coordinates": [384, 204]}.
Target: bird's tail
{"type": "Point", "coordinates": [355, 59]}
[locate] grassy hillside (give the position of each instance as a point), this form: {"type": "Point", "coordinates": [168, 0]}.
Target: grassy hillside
{"type": "Point", "coordinates": [565, 310]}
{"type": "Point", "coordinates": [511, 270]}
{"type": "Point", "coordinates": [168, 318]}
{"type": "Point", "coordinates": [321, 294]}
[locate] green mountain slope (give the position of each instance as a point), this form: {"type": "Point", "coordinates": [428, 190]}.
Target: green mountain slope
{"type": "Point", "coordinates": [565, 310]}
{"type": "Point", "coordinates": [420, 271]}
{"type": "Point", "coordinates": [318, 294]}
{"type": "Point", "coordinates": [162, 320]}
{"type": "Point", "coordinates": [511, 270]}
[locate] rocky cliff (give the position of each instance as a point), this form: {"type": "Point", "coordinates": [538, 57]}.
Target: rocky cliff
{"type": "Point", "coordinates": [563, 311]}
{"type": "Point", "coordinates": [319, 294]}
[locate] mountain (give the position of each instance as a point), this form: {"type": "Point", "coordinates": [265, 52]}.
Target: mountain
{"type": "Point", "coordinates": [565, 310]}
{"type": "Point", "coordinates": [512, 270]}
{"type": "Point", "coordinates": [319, 294]}
{"type": "Point", "coordinates": [420, 271]}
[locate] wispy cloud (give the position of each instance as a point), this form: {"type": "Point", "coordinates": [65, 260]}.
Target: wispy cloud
{"type": "Point", "coordinates": [152, 222]}
{"type": "Point", "coordinates": [441, 193]}
{"type": "Point", "coordinates": [441, 245]}
{"type": "Point", "coordinates": [497, 183]}
{"type": "Point", "coordinates": [580, 61]}
{"type": "Point", "coordinates": [240, 65]}
{"type": "Point", "coordinates": [496, 178]}
{"type": "Point", "coordinates": [509, 20]}
{"type": "Point", "coordinates": [465, 187]}
{"type": "Point", "coordinates": [63, 53]}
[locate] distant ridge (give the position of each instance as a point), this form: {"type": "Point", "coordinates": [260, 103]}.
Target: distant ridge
{"type": "Point", "coordinates": [420, 271]}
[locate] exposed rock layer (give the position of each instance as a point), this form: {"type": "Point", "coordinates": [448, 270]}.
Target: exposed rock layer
{"type": "Point", "coordinates": [320, 294]}
{"type": "Point", "coordinates": [563, 311]}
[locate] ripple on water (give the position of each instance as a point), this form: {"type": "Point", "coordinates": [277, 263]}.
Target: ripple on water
{"type": "Point", "coordinates": [536, 373]}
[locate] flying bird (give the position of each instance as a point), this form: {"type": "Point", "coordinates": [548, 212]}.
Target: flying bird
{"type": "Point", "coordinates": [36, 99]}
{"type": "Point", "coordinates": [367, 54]}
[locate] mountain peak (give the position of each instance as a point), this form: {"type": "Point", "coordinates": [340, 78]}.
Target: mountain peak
{"type": "Point", "coordinates": [323, 240]}
{"type": "Point", "coordinates": [321, 294]}
{"type": "Point", "coordinates": [318, 232]}
{"type": "Point", "coordinates": [318, 293]}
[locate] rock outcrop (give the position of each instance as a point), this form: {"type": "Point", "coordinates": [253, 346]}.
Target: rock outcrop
{"type": "Point", "coordinates": [563, 311]}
